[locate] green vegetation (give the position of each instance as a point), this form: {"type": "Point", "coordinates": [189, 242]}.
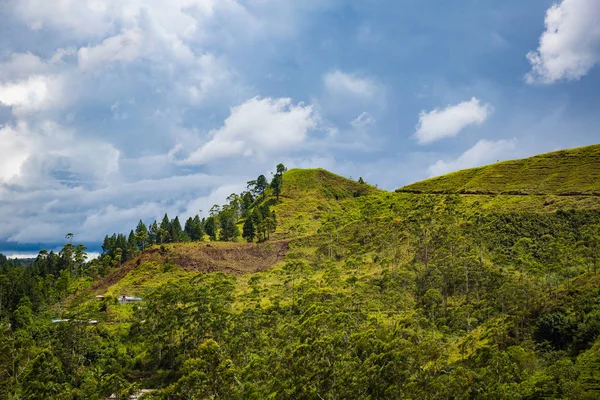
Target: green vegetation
{"type": "Point", "coordinates": [334, 290]}
{"type": "Point", "coordinates": [565, 172]}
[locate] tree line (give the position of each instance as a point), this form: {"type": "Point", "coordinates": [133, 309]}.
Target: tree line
{"type": "Point", "coordinates": [250, 208]}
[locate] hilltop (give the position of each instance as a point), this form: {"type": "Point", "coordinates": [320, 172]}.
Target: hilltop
{"type": "Point", "coordinates": [309, 195]}
{"type": "Point", "coordinates": [564, 173]}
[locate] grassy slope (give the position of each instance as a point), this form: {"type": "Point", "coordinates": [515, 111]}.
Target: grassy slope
{"type": "Point", "coordinates": [565, 172]}
{"type": "Point", "coordinates": [309, 195]}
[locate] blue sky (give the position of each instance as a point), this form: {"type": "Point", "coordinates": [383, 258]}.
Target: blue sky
{"type": "Point", "coordinates": [116, 110]}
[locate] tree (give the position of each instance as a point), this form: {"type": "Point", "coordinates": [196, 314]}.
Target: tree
{"type": "Point", "coordinates": [361, 180]}
{"type": "Point", "coordinates": [131, 241]}
{"type": "Point", "coordinates": [142, 239]}
{"type": "Point", "coordinates": [229, 229]}
{"type": "Point", "coordinates": [214, 210]}
{"type": "Point", "coordinates": [165, 229]}
{"type": "Point", "coordinates": [79, 256]}
{"type": "Point", "coordinates": [591, 244]}
{"type": "Point", "coordinates": [248, 230]}
{"type": "Point", "coordinates": [188, 228]}
{"type": "Point", "coordinates": [193, 229]}
{"type": "Point", "coordinates": [153, 233]}
{"type": "Point", "coordinates": [176, 230]}
{"type": "Point", "coordinates": [118, 257]}
{"type": "Point", "coordinates": [66, 255]}
{"type": "Point", "coordinates": [261, 184]}
{"type": "Point", "coordinates": [108, 245]}
{"type": "Point", "coordinates": [246, 199]}
{"type": "Point", "coordinates": [550, 257]}
{"type": "Point", "coordinates": [163, 235]}
{"type": "Point", "coordinates": [121, 243]}
{"type": "Point", "coordinates": [210, 227]}
{"type": "Point", "coordinates": [197, 230]}
{"type": "Point", "coordinates": [267, 227]}
{"type": "Point", "coordinates": [281, 169]}
{"type": "Point", "coordinates": [210, 376]}
{"type": "Point", "coordinates": [276, 184]}
{"type": "Point", "coordinates": [141, 234]}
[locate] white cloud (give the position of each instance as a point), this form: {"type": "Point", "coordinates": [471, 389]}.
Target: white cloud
{"type": "Point", "coordinates": [484, 152]}
{"type": "Point", "coordinates": [28, 93]}
{"type": "Point", "coordinates": [438, 124]}
{"type": "Point", "coordinates": [224, 21]}
{"type": "Point", "coordinates": [96, 18]}
{"type": "Point", "coordinates": [34, 154]}
{"type": "Point", "coordinates": [14, 150]}
{"type": "Point", "coordinates": [363, 121]}
{"type": "Point", "coordinates": [344, 84]}
{"type": "Point", "coordinates": [212, 76]}
{"type": "Point", "coordinates": [125, 47]}
{"type": "Point", "coordinates": [92, 213]}
{"type": "Point", "coordinates": [257, 127]}
{"type": "Point", "coordinates": [22, 65]}
{"type": "Point", "coordinates": [570, 45]}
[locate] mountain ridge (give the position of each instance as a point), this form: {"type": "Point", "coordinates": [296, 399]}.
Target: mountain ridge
{"type": "Point", "coordinates": [569, 172]}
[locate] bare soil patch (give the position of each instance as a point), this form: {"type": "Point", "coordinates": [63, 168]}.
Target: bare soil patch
{"type": "Point", "coordinates": [233, 258]}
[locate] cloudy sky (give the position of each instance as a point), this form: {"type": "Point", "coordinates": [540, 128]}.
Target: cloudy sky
{"type": "Point", "coordinates": [116, 110]}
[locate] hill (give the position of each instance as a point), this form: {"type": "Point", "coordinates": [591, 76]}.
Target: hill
{"type": "Point", "coordinates": [309, 195]}
{"type": "Point", "coordinates": [359, 293]}
{"type": "Point", "coordinates": [563, 173]}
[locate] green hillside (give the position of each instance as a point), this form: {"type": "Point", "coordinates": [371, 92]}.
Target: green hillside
{"type": "Point", "coordinates": [309, 195]}
{"type": "Point", "coordinates": [351, 293]}
{"type": "Point", "coordinates": [565, 172]}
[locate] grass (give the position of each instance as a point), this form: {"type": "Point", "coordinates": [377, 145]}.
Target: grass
{"type": "Point", "coordinates": [145, 276]}
{"type": "Point", "coordinates": [565, 172]}
{"type": "Point", "coordinates": [310, 195]}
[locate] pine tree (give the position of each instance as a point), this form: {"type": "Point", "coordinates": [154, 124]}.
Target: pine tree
{"type": "Point", "coordinates": [210, 227]}
{"type": "Point", "coordinates": [189, 228]}
{"type": "Point", "coordinates": [197, 230]}
{"type": "Point", "coordinates": [229, 230]}
{"type": "Point", "coordinates": [141, 234]}
{"type": "Point", "coordinates": [281, 169]}
{"type": "Point", "coordinates": [276, 184]}
{"type": "Point", "coordinates": [153, 233]}
{"type": "Point", "coordinates": [107, 246]}
{"type": "Point", "coordinates": [121, 244]}
{"type": "Point", "coordinates": [261, 184]}
{"type": "Point", "coordinates": [176, 230]}
{"type": "Point", "coordinates": [247, 200]}
{"type": "Point", "coordinates": [131, 241]}
{"type": "Point", "coordinates": [248, 230]}
{"type": "Point", "coordinates": [165, 230]}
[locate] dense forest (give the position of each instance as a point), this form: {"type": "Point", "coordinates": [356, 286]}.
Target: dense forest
{"type": "Point", "coordinates": [419, 294]}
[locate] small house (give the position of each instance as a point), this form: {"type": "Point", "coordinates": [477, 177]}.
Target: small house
{"type": "Point", "coordinates": [134, 396]}
{"type": "Point", "coordinates": [129, 299]}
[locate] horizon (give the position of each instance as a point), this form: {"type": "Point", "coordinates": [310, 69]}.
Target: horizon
{"type": "Point", "coordinates": [109, 115]}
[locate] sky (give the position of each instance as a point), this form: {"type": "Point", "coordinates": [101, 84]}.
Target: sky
{"type": "Point", "coordinates": [112, 111]}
